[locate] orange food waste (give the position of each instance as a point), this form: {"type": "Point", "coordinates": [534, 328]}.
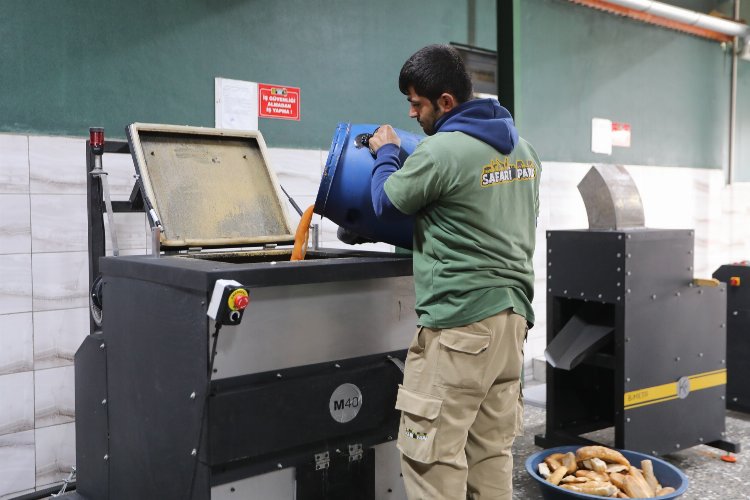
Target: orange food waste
{"type": "Point", "coordinates": [301, 236]}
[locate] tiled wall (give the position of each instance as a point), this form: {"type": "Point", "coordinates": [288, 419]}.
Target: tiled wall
{"type": "Point", "coordinates": [44, 270]}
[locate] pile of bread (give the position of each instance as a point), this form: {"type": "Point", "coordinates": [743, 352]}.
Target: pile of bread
{"type": "Point", "coordinates": [602, 471]}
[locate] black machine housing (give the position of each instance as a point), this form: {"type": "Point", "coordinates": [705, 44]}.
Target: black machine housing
{"type": "Point", "coordinates": [637, 344]}
{"type": "Point", "coordinates": [301, 392]}
{"type": "Point", "coordinates": [737, 278]}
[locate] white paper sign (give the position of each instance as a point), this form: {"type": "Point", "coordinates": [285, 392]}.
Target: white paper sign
{"type": "Point", "coordinates": [236, 105]}
{"type": "Point", "coordinates": [601, 136]}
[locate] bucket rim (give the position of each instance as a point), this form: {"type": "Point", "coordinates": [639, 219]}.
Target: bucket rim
{"type": "Point", "coordinates": [329, 171]}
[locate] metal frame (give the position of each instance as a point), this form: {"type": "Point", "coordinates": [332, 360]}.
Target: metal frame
{"type": "Point", "coordinates": [95, 210]}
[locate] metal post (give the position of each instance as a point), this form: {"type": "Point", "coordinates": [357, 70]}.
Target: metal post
{"type": "Point", "coordinates": [315, 231]}
{"type": "Point", "coordinates": [506, 85]}
{"type": "Point", "coordinates": [733, 102]}
{"type": "Point", "coordinates": [97, 147]}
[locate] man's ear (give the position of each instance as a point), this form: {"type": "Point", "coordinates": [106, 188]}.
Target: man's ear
{"type": "Point", "coordinates": [446, 102]}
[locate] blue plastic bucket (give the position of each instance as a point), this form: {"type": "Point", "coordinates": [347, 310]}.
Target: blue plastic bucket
{"type": "Point", "coordinates": [666, 473]}
{"type": "Point", "coordinates": [344, 193]}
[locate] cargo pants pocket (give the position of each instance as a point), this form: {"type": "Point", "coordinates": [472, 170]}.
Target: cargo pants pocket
{"type": "Point", "coordinates": [462, 361]}
{"type": "Point", "coordinates": [420, 418]}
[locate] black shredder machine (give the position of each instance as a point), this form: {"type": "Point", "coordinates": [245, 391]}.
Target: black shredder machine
{"type": "Point", "coordinates": [737, 278]}
{"type": "Point", "coordinates": [634, 342]}
{"type": "Point", "coordinates": [298, 400]}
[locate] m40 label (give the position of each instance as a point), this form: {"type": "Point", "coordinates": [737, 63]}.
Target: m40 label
{"type": "Point", "coordinates": [345, 403]}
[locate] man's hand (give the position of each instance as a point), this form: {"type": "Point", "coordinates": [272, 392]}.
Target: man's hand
{"type": "Point", "coordinates": [383, 135]}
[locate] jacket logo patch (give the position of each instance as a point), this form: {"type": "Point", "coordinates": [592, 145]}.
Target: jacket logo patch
{"type": "Point", "coordinates": [419, 436]}
{"type": "Point", "coordinates": [502, 172]}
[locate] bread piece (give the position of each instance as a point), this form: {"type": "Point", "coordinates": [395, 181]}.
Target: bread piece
{"type": "Point", "coordinates": [620, 494]}
{"type": "Point", "coordinates": [635, 488]}
{"type": "Point", "coordinates": [569, 461]}
{"type": "Point", "coordinates": [617, 479]}
{"type": "Point", "coordinates": [665, 491]}
{"type": "Point", "coordinates": [544, 470]}
{"type": "Point", "coordinates": [574, 479]}
{"type": "Point", "coordinates": [593, 488]}
{"type": "Point", "coordinates": [593, 475]}
{"type": "Point", "coordinates": [598, 465]}
{"type": "Point", "coordinates": [553, 463]}
{"type": "Point", "coordinates": [607, 454]}
{"type": "Point", "coordinates": [557, 476]}
{"type": "Point", "coordinates": [556, 456]}
{"type": "Point", "coordinates": [648, 475]}
{"type": "Point", "coordinates": [616, 468]}
{"type": "Point", "coordinates": [638, 474]}
{"type": "Point", "coordinates": [586, 464]}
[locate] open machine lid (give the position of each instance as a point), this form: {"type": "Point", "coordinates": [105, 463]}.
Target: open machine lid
{"type": "Point", "coordinates": [209, 187]}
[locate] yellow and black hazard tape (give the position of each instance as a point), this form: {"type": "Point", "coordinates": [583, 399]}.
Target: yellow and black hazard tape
{"type": "Point", "coordinates": [668, 392]}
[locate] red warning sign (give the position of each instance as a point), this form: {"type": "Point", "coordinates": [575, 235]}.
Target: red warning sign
{"type": "Point", "coordinates": [277, 101]}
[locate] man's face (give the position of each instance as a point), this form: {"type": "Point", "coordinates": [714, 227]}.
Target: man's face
{"type": "Point", "coordinates": [424, 111]}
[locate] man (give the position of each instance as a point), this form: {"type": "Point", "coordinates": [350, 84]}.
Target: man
{"type": "Point", "coordinates": [473, 187]}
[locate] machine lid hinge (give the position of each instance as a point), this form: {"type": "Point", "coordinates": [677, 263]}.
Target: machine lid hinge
{"type": "Point", "coordinates": [192, 250]}
{"type": "Point", "coordinates": [322, 460]}
{"type": "Point", "coordinates": [355, 452]}
{"type": "Point", "coordinates": [270, 246]}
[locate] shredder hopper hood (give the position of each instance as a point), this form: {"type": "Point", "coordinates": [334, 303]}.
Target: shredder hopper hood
{"type": "Point", "coordinates": [209, 187]}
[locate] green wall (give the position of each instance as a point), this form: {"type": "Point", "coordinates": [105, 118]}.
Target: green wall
{"type": "Point", "coordinates": [68, 65]}
{"type": "Point", "coordinates": [578, 63]}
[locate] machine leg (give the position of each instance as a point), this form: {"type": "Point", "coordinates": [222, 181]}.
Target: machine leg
{"type": "Point", "coordinates": [727, 446]}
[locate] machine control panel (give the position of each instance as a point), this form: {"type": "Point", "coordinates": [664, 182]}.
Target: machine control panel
{"type": "Point", "coordinates": [228, 302]}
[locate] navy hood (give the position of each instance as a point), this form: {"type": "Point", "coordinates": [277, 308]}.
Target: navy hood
{"type": "Point", "coordinates": [483, 119]}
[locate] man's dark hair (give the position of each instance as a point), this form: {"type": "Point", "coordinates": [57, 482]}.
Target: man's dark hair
{"type": "Point", "coordinates": [433, 70]}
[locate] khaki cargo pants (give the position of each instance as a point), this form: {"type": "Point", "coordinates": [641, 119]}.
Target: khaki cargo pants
{"type": "Point", "coordinates": [461, 409]}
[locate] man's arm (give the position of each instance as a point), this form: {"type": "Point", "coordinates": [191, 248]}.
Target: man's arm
{"type": "Point", "coordinates": [386, 144]}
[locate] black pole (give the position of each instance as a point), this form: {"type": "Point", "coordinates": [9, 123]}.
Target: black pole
{"type": "Point", "coordinates": [505, 90]}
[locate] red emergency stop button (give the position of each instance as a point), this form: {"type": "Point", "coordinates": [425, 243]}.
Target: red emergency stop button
{"type": "Point", "coordinates": [734, 281]}
{"type": "Point", "coordinates": [241, 302]}
{"type": "Point", "coordinates": [238, 299]}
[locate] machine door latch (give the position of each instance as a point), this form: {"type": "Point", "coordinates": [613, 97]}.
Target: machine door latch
{"type": "Point", "coordinates": [355, 452]}
{"type": "Point", "coordinates": [322, 460]}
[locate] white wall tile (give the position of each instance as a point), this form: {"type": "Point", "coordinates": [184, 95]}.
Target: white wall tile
{"type": "Point", "coordinates": [16, 343]}
{"type": "Point", "coordinates": [16, 463]}
{"type": "Point", "coordinates": [55, 453]}
{"type": "Point", "coordinates": [57, 336]}
{"type": "Point", "coordinates": [131, 231]}
{"type": "Point", "coordinates": [15, 224]}
{"type": "Point", "coordinates": [298, 170]}
{"type": "Point", "coordinates": [121, 174]}
{"type": "Point", "coordinates": [14, 164]}
{"type": "Point", "coordinates": [58, 223]}
{"type": "Point", "coordinates": [17, 395]}
{"type": "Point", "coordinates": [57, 165]}
{"type": "Point", "coordinates": [15, 283]}
{"type": "Point", "coordinates": [60, 280]}
{"type": "Point", "coordinates": [54, 396]}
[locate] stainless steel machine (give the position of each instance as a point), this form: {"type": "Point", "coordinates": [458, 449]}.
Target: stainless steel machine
{"type": "Point", "coordinates": [187, 391]}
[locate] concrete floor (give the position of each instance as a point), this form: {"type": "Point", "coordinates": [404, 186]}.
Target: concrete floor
{"type": "Point", "coordinates": [710, 477]}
